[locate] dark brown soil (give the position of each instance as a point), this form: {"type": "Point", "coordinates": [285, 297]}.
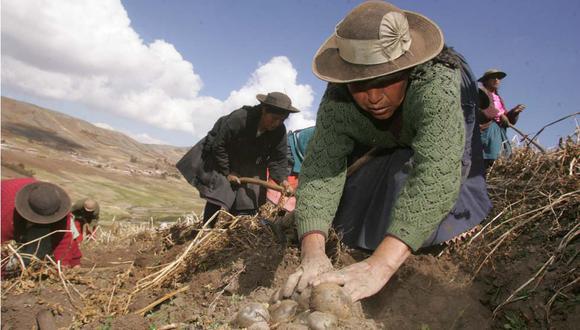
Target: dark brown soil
{"type": "Point", "coordinates": [426, 292]}
{"type": "Point", "coordinates": [447, 290]}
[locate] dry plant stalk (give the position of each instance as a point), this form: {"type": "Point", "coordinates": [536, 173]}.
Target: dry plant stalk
{"type": "Point", "coordinates": [537, 198]}
{"type": "Point", "coordinates": [204, 238]}
{"type": "Point", "coordinates": [152, 305]}
{"type": "Point", "coordinates": [20, 246]}
{"type": "Point", "coordinates": [58, 268]}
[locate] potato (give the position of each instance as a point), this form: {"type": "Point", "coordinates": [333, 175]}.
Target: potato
{"type": "Point", "coordinates": [303, 298]}
{"type": "Point", "coordinates": [302, 318]}
{"type": "Point", "coordinates": [259, 326]}
{"type": "Point", "coordinates": [331, 298]}
{"type": "Point", "coordinates": [283, 311]}
{"type": "Point", "coordinates": [252, 313]}
{"type": "Point", "coordinates": [322, 321]}
{"type": "Point", "coordinates": [276, 296]}
{"type": "Point", "coordinates": [292, 326]}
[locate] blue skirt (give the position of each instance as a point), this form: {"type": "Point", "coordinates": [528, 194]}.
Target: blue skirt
{"type": "Point", "coordinates": [495, 142]}
{"type": "Point", "coordinates": [363, 215]}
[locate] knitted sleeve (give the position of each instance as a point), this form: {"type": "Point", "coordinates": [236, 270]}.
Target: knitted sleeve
{"type": "Point", "coordinates": [433, 104]}
{"type": "Point", "coordinates": [323, 172]}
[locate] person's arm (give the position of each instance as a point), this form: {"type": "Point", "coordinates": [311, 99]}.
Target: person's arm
{"type": "Point", "coordinates": [323, 172]}
{"type": "Point", "coordinates": [490, 113]}
{"type": "Point", "coordinates": [226, 133]}
{"type": "Point", "coordinates": [513, 114]}
{"type": "Point", "coordinates": [96, 215]}
{"type": "Point", "coordinates": [486, 106]}
{"type": "Point", "coordinates": [314, 262]}
{"type": "Point", "coordinates": [322, 180]}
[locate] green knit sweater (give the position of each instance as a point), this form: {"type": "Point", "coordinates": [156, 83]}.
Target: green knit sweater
{"type": "Point", "coordinates": [432, 125]}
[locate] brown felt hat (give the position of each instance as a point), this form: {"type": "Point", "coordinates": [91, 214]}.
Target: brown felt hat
{"type": "Point", "coordinates": [492, 73]}
{"type": "Point", "coordinates": [376, 39]}
{"type": "Point", "coordinates": [278, 100]}
{"type": "Point", "coordinates": [42, 202]}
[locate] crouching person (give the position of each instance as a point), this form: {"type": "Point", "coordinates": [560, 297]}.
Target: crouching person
{"type": "Point", "coordinates": [86, 216]}
{"type": "Point", "coordinates": [34, 209]}
{"type": "Point", "coordinates": [393, 86]}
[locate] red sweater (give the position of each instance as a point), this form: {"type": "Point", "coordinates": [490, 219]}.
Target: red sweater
{"type": "Point", "coordinates": [65, 248]}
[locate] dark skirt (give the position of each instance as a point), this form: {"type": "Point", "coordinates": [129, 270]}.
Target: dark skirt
{"type": "Point", "coordinates": [199, 169]}
{"type": "Point", "coordinates": [363, 215]}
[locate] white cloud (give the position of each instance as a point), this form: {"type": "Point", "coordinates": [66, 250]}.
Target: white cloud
{"type": "Point", "coordinates": [86, 51]}
{"type": "Point", "coordinates": [145, 138]}
{"type": "Point", "coordinates": [105, 126]}
{"type": "Point", "coordinates": [141, 137]}
{"type": "Point", "coordinates": [278, 75]}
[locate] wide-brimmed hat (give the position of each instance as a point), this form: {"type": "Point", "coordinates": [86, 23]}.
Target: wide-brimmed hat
{"type": "Point", "coordinates": [278, 100]}
{"type": "Point", "coordinates": [492, 73]}
{"type": "Point", "coordinates": [90, 205]}
{"type": "Point", "coordinates": [376, 39]}
{"type": "Point", "coordinates": [42, 202]}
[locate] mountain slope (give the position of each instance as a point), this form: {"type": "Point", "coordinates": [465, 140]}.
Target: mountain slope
{"type": "Point", "coordinates": [130, 179]}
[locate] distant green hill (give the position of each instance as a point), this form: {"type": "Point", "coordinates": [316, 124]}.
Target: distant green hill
{"type": "Point", "coordinates": [131, 180]}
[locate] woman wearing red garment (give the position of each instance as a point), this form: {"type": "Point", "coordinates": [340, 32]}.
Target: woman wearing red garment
{"type": "Point", "coordinates": [33, 209]}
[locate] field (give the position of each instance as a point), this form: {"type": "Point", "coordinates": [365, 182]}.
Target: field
{"type": "Point", "coordinates": [518, 271]}
{"type": "Point", "coordinates": [132, 181]}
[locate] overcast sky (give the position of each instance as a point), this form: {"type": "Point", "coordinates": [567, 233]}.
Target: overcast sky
{"type": "Point", "coordinates": [164, 71]}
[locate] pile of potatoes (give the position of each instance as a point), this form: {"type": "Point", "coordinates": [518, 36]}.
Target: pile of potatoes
{"type": "Point", "coordinates": [319, 308]}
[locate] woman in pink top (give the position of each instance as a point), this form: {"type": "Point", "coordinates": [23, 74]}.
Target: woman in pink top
{"type": "Point", "coordinates": [494, 119]}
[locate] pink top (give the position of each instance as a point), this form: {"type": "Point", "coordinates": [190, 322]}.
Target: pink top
{"type": "Point", "coordinates": [498, 104]}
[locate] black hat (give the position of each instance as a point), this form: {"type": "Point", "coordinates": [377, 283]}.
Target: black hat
{"type": "Point", "coordinates": [492, 73]}
{"type": "Point", "coordinates": [42, 202]}
{"type": "Point", "coordinates": [278, 100]}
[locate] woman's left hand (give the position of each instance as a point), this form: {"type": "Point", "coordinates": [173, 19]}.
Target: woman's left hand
{"type": "Point", "coordinates": [359, 280]}
{"type": "Point", "coordinates": [365, 278]}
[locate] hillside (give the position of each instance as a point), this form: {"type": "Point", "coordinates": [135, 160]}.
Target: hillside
{"type": "Point", "coordinates": [130, 179]}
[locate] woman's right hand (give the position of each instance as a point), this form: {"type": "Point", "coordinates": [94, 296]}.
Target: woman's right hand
{"type": "Point", "coordinates": [314, 263]}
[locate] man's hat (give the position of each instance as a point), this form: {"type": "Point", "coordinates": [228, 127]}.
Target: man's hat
{"type": "Point", "coordinates": [376, 39]}
{"type": "Point", "coordinates": [42, 202]}
{"type": "Point", "coordinates": [492, 73]}
{"type": "Point", "coordinates": [278, 100]}
{"type": "Point", "coordinates": [90, 205]}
